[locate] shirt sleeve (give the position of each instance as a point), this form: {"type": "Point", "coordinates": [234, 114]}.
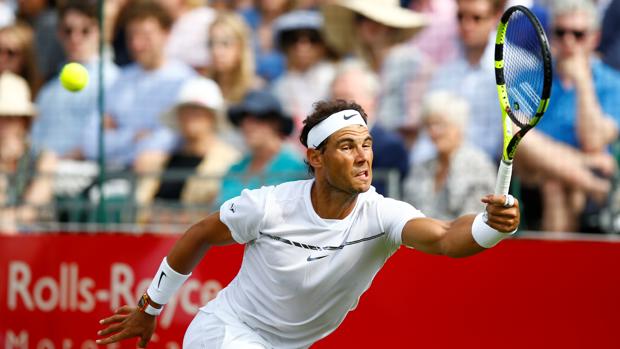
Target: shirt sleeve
{"type": "Point", "coordinates": [244, 214]}
{"type": "Point", "coordinates": [394, 214]}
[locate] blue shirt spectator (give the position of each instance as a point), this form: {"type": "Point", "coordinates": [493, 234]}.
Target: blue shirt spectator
{"type": "Point", "coordinates": [135, 103]}
{"type": "Point", "coordinates": [63, 115]}
{"type": "Point", "coordinates": [559, 119]}
{"type": "Point", "coordinates": [285, 166]}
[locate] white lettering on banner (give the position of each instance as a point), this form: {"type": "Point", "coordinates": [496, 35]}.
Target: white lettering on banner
{"type": "Point", "coordinates": [21, 341]}
{"type": "Point", "coordinates": [45, 344]}
{"type": "Point", "coordinates": [70, 291]}
{"type": "Point", "coordinates": [13, 341]}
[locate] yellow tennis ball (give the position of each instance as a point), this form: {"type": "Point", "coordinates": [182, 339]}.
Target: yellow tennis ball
{"type": "Point", "coordinates": [74, 77]}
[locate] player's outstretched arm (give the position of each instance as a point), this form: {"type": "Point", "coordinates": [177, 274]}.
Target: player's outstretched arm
{"type": "Point", "coordinates": [127, 321]}
{"type": "Point", "coordinates": [463, 237]}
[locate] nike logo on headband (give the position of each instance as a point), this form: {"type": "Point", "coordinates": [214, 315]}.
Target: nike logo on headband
{"type": "Point", "coordinates": [347, 117]}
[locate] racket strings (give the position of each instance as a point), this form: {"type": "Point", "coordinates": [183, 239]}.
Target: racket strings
{"type": "Point", "coordinates": [523, 68]}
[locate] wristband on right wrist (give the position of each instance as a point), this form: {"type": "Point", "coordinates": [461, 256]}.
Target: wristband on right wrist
{"type": "Point", "coordinates": [484, 235]}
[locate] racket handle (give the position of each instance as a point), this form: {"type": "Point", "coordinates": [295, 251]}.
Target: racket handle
{"type": "Point", "coordinates": [503, 178]}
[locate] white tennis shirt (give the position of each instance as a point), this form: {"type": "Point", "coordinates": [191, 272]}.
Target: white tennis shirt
{"type": "Point", "coordinates": [302, 274]}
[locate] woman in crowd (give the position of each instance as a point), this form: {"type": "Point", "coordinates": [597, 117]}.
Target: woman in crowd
{"type": "Point", "coordinates": [196, 118]}
{"type": "Point", "coordinates": [270, 160]}
{"type": "Point", "coordinates": [450, 184]}
{"type": "Point", "coordinates": [17, 54]}
{"type": "Point", "coordinates": [25, 177]}
{"type": "Point", "coordinates": [232, 60]}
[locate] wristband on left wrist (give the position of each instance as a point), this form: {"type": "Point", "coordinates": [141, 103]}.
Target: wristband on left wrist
{"type": "Point", "coordinates": [146, 305]}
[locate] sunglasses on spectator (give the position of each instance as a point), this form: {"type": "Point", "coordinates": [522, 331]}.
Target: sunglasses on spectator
{"type": "Point", "coordinates": [9, 52]}
{"type": "Point", "coordinates": [461, 16]}
{"type": "Point", "coordinates": [68, 31]}
{"type": "Point", "coordinates": [292, 37]}
{"type": "Point", "coordinates": [577, 34]}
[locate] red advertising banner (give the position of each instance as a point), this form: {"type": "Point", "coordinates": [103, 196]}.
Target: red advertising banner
{"type": "Point", "coordinates": [523, 293]}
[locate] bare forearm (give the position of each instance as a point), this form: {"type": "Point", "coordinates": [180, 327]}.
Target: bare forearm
{"type": "Point", "coordinates": [594, 129]}
{"type": "Point", "coordinates": [192, 246]}
{"type": "Point", "coordinates": [458, 241]}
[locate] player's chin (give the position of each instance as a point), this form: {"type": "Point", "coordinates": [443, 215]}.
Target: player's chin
{"type": "Point", "coordinates": [361, 183]}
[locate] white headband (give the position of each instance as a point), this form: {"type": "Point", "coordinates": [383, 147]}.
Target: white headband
{"type": "Point", "coordinates": [333, 123]}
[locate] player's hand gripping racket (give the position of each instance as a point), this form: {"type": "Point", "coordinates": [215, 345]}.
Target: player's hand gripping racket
{"type": "Point", "coordinates": [523, 77]}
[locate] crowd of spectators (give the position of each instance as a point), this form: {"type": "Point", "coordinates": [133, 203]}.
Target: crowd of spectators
{"type": "Point", "coordinates": [198, 99]}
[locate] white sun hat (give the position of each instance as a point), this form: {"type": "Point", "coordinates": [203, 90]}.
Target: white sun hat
{"type": "Point", "coordinates": [15, 97]}
{"type": "Point", "coordinates": [198, 92]}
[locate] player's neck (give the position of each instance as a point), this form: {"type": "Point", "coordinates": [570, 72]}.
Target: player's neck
{"type": "Point", "coordinates": [474, 55]}
{"type": "Point", "coordinates": [330, 203]}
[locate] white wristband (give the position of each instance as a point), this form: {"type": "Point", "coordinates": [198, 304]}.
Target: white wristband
{"type": "Point", "coordinates": [165, 283]}
{"type": "Point", "coordinates": [484, 235]}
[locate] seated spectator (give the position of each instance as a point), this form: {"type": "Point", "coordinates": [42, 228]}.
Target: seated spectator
{"type": "Point", "coordinates": [452, 183]}
{"type": "Point", "coordinates": [189, 32]}
{"type": "Point", "coordinates": [134, 136]}
{"type": "Point", "coordinates": [355, 82]}
{"type": "Point", "coordinates": [584, 113]}
{"type": "Point", "coordinates": [201, 153]}
{"type": "Point", "coordinates": [63, 115]}
{"type": "Point", "coordinates": [375, 31]}
{"type": "Point", "coordinates": [17, 54]}
{"type": "Point", "coordinates": [270, 63]}
{"type": "Point", "coordinates": [25, 177]}
{"type": "Point", "coordinates": [471, 75]}
{"type": "Point", "coordinates": [264, 127]}
{"type": "Point", "coordinates": [232, 59]}
{"type": "Point", "coordinates": [309, 70]}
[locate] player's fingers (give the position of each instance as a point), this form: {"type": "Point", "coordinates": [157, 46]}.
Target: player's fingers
{"type": "Point", "coordinates": [500, 200]}
{"type": "Point", "coordinates": [115, 338]}
{"type": "Point", "coordinates": [110, 329]}
{"type": "Point", "coordinates": [113, 319]}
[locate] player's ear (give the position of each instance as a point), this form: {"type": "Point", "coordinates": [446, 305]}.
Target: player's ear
{"type": "Point", "coordinates": [315, 157]}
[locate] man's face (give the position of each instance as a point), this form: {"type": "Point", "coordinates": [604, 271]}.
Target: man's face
{"type": "Point", "coordinates": [147, 40]}
{"type": "Point", "coordinates": [573, 33]}
{"type": "Point", "coordinates": [477, 19]}
{"type": "Point", "coordinates": [347, 159]}
{"type": "Point", "coordinates": [79, 36]}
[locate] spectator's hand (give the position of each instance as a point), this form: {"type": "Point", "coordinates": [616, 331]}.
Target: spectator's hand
{"type": "Point", "coordinates": [500, 217]}
{"type": "Point", "coordinates": [127, 322]}
{"type": "Point", "coordinates": [140, 135]}
{"type": "Point", "coordinates": [603, 163]}
{"type": "Point", "coordinates": [576, 68]}
{"type": "Point", "coordinates": [109, 123]}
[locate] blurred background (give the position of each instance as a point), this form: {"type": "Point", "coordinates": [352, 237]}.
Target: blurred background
{"type": "Point", "coordinates": [190, 101]}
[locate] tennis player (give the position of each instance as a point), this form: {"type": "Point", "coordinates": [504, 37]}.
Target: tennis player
{"type": "Point", "coordinates": [312, 247]}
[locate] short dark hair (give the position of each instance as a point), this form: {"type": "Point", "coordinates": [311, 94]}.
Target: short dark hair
{"type": "Point", "coordinates": [322, 110]}
{"type": "Point", "coordinates": [146, 9]}
{"type": "Point", "coordinates": [497, 5]}
{"type": "Point", "coordinates": [87, 8]}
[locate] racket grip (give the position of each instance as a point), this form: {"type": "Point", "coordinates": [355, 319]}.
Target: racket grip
{"type": "Point", "coordinates": [503, 178]}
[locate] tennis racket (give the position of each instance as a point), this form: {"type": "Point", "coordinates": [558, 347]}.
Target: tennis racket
{"type": "Point", "coordinates": [523, 76]}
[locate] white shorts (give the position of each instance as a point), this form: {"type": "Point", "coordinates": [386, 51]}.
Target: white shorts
{"type": "Point", "coordinates": [208, 331]}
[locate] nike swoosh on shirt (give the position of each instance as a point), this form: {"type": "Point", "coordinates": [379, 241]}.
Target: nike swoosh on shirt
{"type": "Point", "coordinates": [310, 258]}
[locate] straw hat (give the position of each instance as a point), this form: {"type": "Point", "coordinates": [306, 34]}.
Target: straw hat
{"type": "Point", "coordinates": [340, 20]}
{"type": "Point", "coordinates": [15, 98]}
{"type": "Point", "coordinates": [198, 92]}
